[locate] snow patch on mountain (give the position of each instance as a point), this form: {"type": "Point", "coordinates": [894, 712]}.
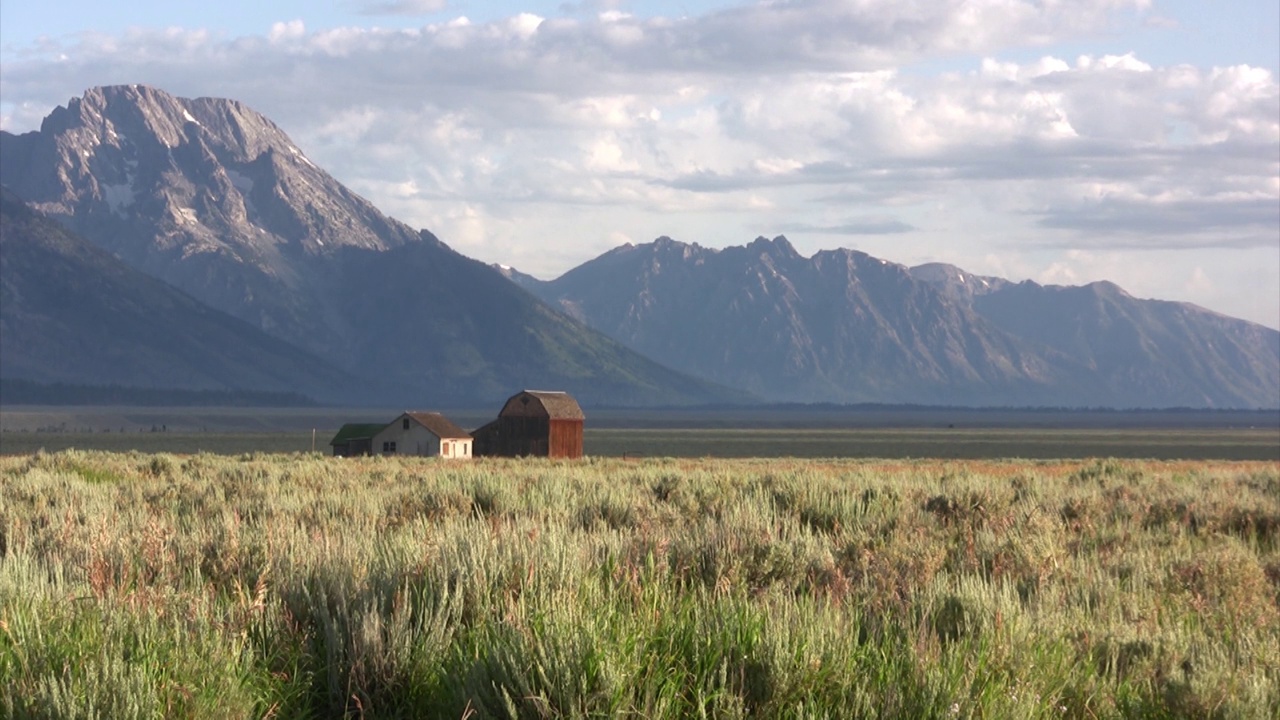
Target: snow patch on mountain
{"type": "Point", "coordinates": [119, 198]}
{"type": "Point", "coordinates": [298, 154]}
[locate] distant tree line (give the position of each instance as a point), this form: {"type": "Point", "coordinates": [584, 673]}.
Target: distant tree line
{"type": "Point", "coordinates": [27, 392]}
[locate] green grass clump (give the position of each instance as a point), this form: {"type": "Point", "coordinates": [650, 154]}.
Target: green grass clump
{"type": "Point", "coordinates": [135, 585]}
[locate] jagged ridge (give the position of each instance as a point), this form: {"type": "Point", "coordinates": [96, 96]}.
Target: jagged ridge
{"type": "Point", "coordinates": [843, 326]}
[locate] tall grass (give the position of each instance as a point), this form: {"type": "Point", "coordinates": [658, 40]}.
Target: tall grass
{"type": "Point", "coordinates": [136, 585]}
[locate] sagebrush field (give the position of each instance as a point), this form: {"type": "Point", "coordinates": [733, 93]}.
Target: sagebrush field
{"type": "Point", "coordinates": [138, 585]}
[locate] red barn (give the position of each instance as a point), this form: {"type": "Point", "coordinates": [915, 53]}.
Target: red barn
{"type": "Point", "coordinates": [534, 422]}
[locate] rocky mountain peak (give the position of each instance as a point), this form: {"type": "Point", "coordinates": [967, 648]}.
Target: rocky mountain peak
{"type": "Point", "coordinates": [665, 248]}
{"type": "Point", "coordinates": [1106, 288]}
{"type": "Point", "coordinates": [206, 194]}
{"type": "Point", "coordinates": [779, 248]}
{"type": "Point", "coordinates": [92, 118]}
{"type": "Point", "coordinates": [938, 272]}
{"type": "Point", "coordinates": [956, 281]}
{"type": "Point", "coordinates": [202, 176]}
{"type": "Point", "coordinates": [853, 260]}
{"type": "Point", "coordinates": [118, 114]}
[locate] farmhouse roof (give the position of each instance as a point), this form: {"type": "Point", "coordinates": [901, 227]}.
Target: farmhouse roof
{"type": "Point", "coordinates": [356, 431]}
{"type": "Point", "coordinates": [438, 424]}
{"type": "Point", "coordinates": [559, 405]}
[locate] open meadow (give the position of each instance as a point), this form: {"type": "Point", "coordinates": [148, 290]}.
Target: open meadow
{"type": "Point", "coordinates": [295, 585]}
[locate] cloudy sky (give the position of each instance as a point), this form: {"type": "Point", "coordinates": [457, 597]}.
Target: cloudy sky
{"type": "Point", "coordinates": [1063, 141]}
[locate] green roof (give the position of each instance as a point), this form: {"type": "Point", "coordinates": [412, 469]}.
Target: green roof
{"type": "Point", "coordinates": [356, 431]}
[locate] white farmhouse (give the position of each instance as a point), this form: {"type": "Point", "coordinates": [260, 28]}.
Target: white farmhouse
{"type": "Point", "coordinates": [422, 433]}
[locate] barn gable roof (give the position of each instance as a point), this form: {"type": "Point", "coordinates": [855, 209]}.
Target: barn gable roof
{"type": "Point", "coordinates": [559, 405]}
{"type": "Point", "coordinates": [490, 426]}
{"type": "Point", "coordinates": [356, 431]}
{"type": "Point", "coordinates": [439, 425]}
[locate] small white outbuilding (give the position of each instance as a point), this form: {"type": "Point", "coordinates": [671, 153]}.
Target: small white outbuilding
{"type": "Point", "coordinates": [422, 433]}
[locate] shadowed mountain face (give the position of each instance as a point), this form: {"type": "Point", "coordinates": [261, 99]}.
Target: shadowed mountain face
{"type": "Point", "coordinates": [1138, 349]}
{"type": "Point", "coordinates": [214, 199]}
{"type": "Point", "coordinates": [842, 326]}
{"type": "Point", "coordinates": [73, 313]}
{"type": "Point", "coordinates": [1144, 349]}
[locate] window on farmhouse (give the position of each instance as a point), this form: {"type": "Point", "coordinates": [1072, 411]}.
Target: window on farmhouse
{"type": "Point", "coordinates": [393, 446]}
{"type": "Point", "coordinates": [406, 424]}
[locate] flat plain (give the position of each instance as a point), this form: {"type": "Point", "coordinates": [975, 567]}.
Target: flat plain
{"type": "Point", "coordinates": [778, 432]}
{"type": "Point", "coordinates": [296, 585]}
{"type": "Point", "coordinates": [209, 563]}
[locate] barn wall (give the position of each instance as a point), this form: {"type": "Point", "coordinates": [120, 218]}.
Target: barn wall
{"type": "Point", "coordinates": [519, 436]}
{"type": "Point", "coordinates": [525, 428]}
{"type": "Point", "coordinates": [526, 435]}
{"type": "Point", "coordinates": [565, 439]}
{"type": "Point", "coordinates": [487, 440]}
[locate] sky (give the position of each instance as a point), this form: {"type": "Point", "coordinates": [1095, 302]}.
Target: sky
{"type": "Point", "coordinates": [1061, 141]}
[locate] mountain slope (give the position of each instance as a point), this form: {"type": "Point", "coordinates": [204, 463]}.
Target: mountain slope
{"type": "Point", "coordinates": [843, 326]}
{"type": "Point", "coordinates": [205, 194]}
{"type": "Point", "coordinates": [494, 336]}
{"type": "Point", "coordinates": [1140, 349]}
{"type": "Point", "coordinates": [72, 313]}
{"type": "Point", "coordinates": [213, 198]}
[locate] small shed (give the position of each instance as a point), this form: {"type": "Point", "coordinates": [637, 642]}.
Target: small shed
{"type": "Point", "coordinates": [541, 423]}
{"type": "Point", "coordinates": [423, 433]}
{"type": "Point", "coordinates": [355, 439]}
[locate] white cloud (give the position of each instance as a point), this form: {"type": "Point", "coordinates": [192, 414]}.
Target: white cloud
{"type": "Point", "coordinates": [287, 31]}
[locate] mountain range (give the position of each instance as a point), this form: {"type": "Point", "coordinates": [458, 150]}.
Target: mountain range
{"type": "Point", "coordinates": [156, 240]}
{"type": "Point", "coordinates": [213, 198]}
{"type": "Point", "coordinates": [842, 326]}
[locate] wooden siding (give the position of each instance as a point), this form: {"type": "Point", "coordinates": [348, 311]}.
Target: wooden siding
{"type": "Point", "coordinates": [565, 440]}
{"type": "Point", "coordinates": [535, 423]}
{"type": "Point", "coordinates": [538, 437]}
